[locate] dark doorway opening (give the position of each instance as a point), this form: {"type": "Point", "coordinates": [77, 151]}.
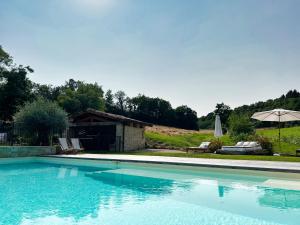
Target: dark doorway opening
{"type": "Point", "coordinates": [96, 138]}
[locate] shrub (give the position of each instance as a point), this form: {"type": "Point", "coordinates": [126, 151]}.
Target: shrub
{"type": "Point", "coordinates": [264, 142]}
{"type": "Point", "coordinates": [240, 127]}
{"type": "Point", "coordinates": [215, 145]}
{"type": "Point", "coordinates": [292, 139]}
{"type": "Point", "coordinates": [39, 120]}
{"type": "Point", "coordinates": [240, 137]}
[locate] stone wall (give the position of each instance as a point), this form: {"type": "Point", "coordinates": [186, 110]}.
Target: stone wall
{"type": "Point", "coordinates": [119, 134]}
{"type": "Point", "coordinates": [23, 151]}
{"type": "Point", "coordinates": [134, 138]}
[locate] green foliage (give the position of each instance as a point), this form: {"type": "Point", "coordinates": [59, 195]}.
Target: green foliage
{"type": "Point", "coordinates": [266, 138]}
{"type": "Point", "coordinates": [77, 96]}
{"type": "Point", "coordinates": [46, 91]}
{"type": "Point", "coordinates": [152, 110]}
{"type": "Point", "coordinates": [224, 112]}
{"type": "Point", "coordinates": [15, 87]}
{"type": "Point", "coordinates": [186, 118]}
{"type": "Point", "coordinates": [293, 139]}
{"type": "Point", "coordinates": [183, 140]}
{"type": "Point", "coordinates": [5, 59]}
{"type": "Point", "coordinates": [215, 145]}
{"type": "Point", "coordinates": [240, 127]}
{"type": "Point", "coordinates": [264, 142]}
{"type": "Point", "coordinates": [109, 101]}
{"type": "Point", "coordinates": [207, 122]}
{"type": "Point", "coordinates": [291, 101]}
{"type": "Point", "coordinates": [288, 144]}
{"type": "Point", "coordinates": [121, 102]}
{"type": "Point", "coordinates": [39, 120]}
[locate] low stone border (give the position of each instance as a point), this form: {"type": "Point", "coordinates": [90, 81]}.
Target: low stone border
{"type": "Point", "coordinates": [25, 151]}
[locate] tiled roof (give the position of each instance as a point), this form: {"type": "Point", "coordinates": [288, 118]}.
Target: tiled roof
{"type": "Point", "coordinates": [111, 116]}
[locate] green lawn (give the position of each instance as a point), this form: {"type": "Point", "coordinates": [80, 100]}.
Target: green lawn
{"type": "Point", "coordinates": [217, 156]}
{"type": "Point", "coordinates": [290, 139]}
{"type": "Point", "coordinates": [186, 140]}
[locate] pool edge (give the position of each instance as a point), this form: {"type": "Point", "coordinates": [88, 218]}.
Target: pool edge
{"type": "Point", "coordinates": [238, 167]}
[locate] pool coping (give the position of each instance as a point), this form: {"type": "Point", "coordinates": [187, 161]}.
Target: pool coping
{"type": "Point", "coordinates": [274, 166]}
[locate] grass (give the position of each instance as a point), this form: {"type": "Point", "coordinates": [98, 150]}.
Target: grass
{"type": "Point", "coordinates": [182, 141]}
{"type": "Point", "coordinates": [290, 139]}
{"type": "Point", "coordinates": [217, 156]}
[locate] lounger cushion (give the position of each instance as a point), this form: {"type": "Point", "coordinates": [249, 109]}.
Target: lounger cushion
{"type": "Point", "coordinates": [204, 145]}
{"type": "Point", "coordinates": [239, 144]}
{"type": "Point", "coordinates": [253, 144]}
{"type": "Point", "coordinates": [246, 144]}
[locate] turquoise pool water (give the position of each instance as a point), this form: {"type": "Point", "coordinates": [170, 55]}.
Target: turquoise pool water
{"type": "Point", "coordinates": [108, 193]}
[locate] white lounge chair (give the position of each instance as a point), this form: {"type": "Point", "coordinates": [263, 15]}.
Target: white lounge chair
{"type": "Point", "coordinates": [76, 144]}
{"type": "Point", "coordinates": [64, 145]}
{"type": "Point", "coordinates": [247, 147]}
{"type": "Point", "coordinates": [201, 148]}
{"type": "Point", "coordinates": [3, 137]}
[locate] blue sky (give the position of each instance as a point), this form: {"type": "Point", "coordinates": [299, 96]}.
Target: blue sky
{"type": "Point", "coordinates": [190, 52]}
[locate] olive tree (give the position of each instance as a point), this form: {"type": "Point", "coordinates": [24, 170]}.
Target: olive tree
{"type": "Point", "coordinates": [39, 120]}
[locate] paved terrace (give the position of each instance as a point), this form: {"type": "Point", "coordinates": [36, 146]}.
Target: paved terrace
{"type": "Point", "coordinates": [293, 167]}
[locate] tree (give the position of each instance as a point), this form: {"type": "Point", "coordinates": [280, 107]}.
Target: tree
{"type": "Point", "coordinates": [290, 101]}
{"type": "Point", "coordinates": [39, 120]}
{"type": "Point", "coordinates": [207, 122]}
{"type": "Point", "coordinates": [5, 59]}
{"type": "Point", "coordinates": [121, 102]}
{"type": "Point", "coordinates": [152, 110]}
{"type": "Point", "coordinates": [186, 118]}
{"type": "Point", "coordinates": [224, 112]}
{"type": "Point", "coordinates": [46, 91]}
{"type": "Point", "coordinates": [77, 96]}
{"type": "Point", "coordinates": [240, 127]}
{"type": "Point", "coordinates": [109, 102]}
{"type": "Point", "coordinates": [292, 94]}
{"type": "Point", "coordinates": [15, 87]}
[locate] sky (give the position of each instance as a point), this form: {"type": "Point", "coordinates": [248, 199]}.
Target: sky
{"type": "Point", "coordinates": [194, 52]}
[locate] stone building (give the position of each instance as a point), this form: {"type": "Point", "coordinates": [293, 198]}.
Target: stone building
{"type": "Point", "coordinates": [100, 131]}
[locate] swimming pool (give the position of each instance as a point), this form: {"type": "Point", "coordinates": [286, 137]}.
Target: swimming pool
{"type": "Point", "coordinates": [67, 191]}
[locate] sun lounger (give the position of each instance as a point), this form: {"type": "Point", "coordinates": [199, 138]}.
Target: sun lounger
{"type": "Point", "coordinates": [76, 144]}
{"type": "Point", "coordinates": [242, 148]}
{"type": "Point", "coordinates": [64, 145]}
{"type": "Point", "coordinates": [203, 147]}
{"type": "Point", "coordinates": [3, 137]}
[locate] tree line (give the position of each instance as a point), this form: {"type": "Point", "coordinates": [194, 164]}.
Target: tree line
{"type": "Point", "coordinates": [290, 101]}
{"type": "Point", "coordinates": [16, 89]}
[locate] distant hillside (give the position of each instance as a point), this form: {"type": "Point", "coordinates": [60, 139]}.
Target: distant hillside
{"type": "Point", "coordinates": [290, 101]}
{"type": "Point", "coordinates": [174, 138]}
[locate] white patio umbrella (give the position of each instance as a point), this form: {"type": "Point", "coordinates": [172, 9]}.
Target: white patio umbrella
{"type": "Point", "coordinates": [218, 127]}
{"type": "Point", "coordinates": [277, 115]}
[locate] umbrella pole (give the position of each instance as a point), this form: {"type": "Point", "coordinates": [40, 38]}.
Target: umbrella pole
{"type": "Point", "coordinates": [279, 135]}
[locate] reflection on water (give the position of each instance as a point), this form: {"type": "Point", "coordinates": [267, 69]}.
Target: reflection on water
{"type": "Point", "coordinates": [74, 195]}
{"type": "Point", "coordinates": [280, 198]}
{"type": "Point", "coordinates": [222, 190]}
{"type": "Point", "coordinates": [148, 185]}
